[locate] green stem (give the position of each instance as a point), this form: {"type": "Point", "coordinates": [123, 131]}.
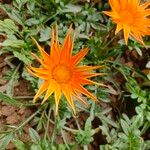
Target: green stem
{"type": "Point", "coordinates": [25, 122]}
{"type": "Point", "coordinates": [64, 139]}
{"type": "Point", "coordinates": [23, 97]}
{"type": "Point", "coordinates": [54, 130]}
{"type": "Point", "coordinates": [69, 129]}
{"type": "Point", "coordinates": [110, 41]}
{"type": "Point", "coordinates": [78, 125]}
{"type": "Point", "coordinates": [47, 127]}
{"type": "Point", "coordinates": [30, 118]}
{"type": "Point", "coordinates": [145, 127]}
{"type": "Point", "coordinates": [85, 147]}
{"type": "Point", "coordinates": [65, 128]}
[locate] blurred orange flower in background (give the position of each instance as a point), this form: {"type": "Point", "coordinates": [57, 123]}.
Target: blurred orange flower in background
{"type": "Point", "coordinates": [132, 17]}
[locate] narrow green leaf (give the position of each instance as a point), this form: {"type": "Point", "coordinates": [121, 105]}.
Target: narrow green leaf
{"type": "Point", "coordinates": [14, 15]}
{"type": "Point", "coordinates": [125, 126]}
{"type": "Point", "coordinates": [22, 56]}
{"type": "Point", "coordinates": [9, 100]}
{"type": "Point", "coordinates": [13, 43]}
{"type": "Point", "coordinates": [5, 140]}
{"type": "Point", "coordinates": [10, 85]}
{"type": "Point", "coordinates": [34, 135]}
{"type": "Point", "coordinates": [19, 144]}
{"type": "Point", "coordinates": [8, 26]}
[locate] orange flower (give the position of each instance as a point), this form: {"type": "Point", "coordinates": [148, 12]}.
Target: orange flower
{"type": "Point", "coordinates": [61, 72]}
{"type": "Point", "coordinates": [132, 17]}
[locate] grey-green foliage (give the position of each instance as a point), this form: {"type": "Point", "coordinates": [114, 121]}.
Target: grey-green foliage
{"type": "Point", "coordinates": [127, 137]}
{"type": "Point", "coordinates": [17, 31]}
{"type": "Point", "coordinates": [19, 145]}
{"type": "Point", "coordinates": [84, 137]}
{"type": "Point", "coordinates": [5, 139]}
{"type": "Point", "coordinates": [33, 19]}
{"type": "Point", "coordinates": [12, 76]}
{"type": "Point", "coordinates": [37, 143]}
{"type": "Point", "coordinates": [16, 45]}
{"type": "Point", "coordinates": [142, 96]}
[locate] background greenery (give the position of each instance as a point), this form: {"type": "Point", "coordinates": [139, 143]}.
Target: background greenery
{"type": "Point", "coordinates": [123, 113]}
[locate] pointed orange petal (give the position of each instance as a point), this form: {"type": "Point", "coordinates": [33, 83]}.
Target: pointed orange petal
{"type": "Point", "coordinates": [123, 4]}
{"type": "Point", "coordinates": [138, 37]}
{"type": "Point", "coordinates": [118, 28]}
{"type": "Point", "coordinates": [85, 81]}
{"type": "Point", "coordinates": [126, 30]}
{"type": "Point", "coordinates": [56, 33]}
{"type": "Point", "coordinates": [141, 29]}
{"type": "Point", "coordinates": [57, 98]}
{"type": "Point", "coordinates": [39, 75]}
{"type": "Point", "coordinates": [111, 2]}
{"type": "Point", "coordinates": [37, 58]}
{"type": "Point", "coordinates": [146, 4]}
{"type": "Point", "coordinates": [68, 94]}
{"type": "Point", "coordinates": [135, 3]}
{"type": "Point", "coordinates": [79, 97]}
{"type": "Point", "coordinates": [67, 46]}
{"type": "Point", "coordinates": [146, 13]}
{"type": "Point", "coordinates": [52, 36]}
{"type": "Point", "coordinates": [45, 56]}
{"type": "Point", "coordinates": [51, 88]}
{"type": "Point", "coordinates": [79, 56]}
{"type": "Point", "coordinates": [56, 37]}
{"type": "Point", "coordinates": [39, 70]}
{"type": "Point", "coordinates": [41, 90]}
{"type": "Point", "coordinates": [90, 75]}
{"type": "Point", "coordinates": [114, 4]}
{"type": "Point", "coordinates": [82, 90]}
{"type": "Point", "coordinates": [55, 48]}
{"type": "Point", "coordinates": [88, 68]}
{"type": "Point", "coordinates": [108, 13]}
{"type": "Point", "coordinates": [144, 22]}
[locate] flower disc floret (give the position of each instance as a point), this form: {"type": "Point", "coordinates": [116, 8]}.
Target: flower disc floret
{"type": "Point", "coordinates": [61, 74]}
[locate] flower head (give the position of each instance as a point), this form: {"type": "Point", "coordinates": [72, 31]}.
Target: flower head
{"type": "Point", "coordinates": [61, 72]}
{"type": "Point", "coordinates": [132, 17]}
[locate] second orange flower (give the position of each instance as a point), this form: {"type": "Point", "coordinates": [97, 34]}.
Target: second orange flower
{"type": "Point", "coordinates": [132, 17]}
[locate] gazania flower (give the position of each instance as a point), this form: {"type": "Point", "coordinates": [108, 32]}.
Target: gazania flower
{"type": "Point", "coordinates": [61, 72]}
{"type": "Point", "coordinates": [132, 17]}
